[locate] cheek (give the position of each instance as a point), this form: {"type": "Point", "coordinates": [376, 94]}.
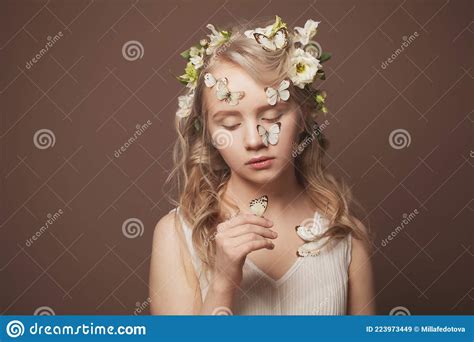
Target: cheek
{"type": "Point", "coordinates": [289, 132]}
{"type": "Point", "coordinates": [222, 139]}
{"type": "Point", "coordinates": [228, 145]}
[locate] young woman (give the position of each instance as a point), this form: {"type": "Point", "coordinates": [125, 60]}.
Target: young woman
{"type": "Point", "coordinates": [260, 227]}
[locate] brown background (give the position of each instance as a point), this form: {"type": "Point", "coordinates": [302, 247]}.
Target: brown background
{"type": "Point", "coordinates": [92, 98]}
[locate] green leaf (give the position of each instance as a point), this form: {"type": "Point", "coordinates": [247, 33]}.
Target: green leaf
{"type": "Point", "coordinates": [321, 74]}
{"type": "Point", "coordinates": [277, 25]}
{"type": "Point", "coordinates": [185, 54]}
{"type": "Point", "coordinates": [226, 34]}
{"type": "Point", "coordinates": [324, 57]}
{"type": "Point", "coordinates": [319, 98]}
{"type": "Point", "coordinates": [183, 79]}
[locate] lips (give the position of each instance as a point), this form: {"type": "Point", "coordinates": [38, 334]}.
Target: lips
{"type": "Point", "coordinates": [258, 159]}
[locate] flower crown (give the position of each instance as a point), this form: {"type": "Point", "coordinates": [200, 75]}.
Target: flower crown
{"type": "Point", "coordinates": [305, 61]}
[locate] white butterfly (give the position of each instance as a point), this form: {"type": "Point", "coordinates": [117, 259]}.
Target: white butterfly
{"type": "Point", "coordinates": [209, 80]}
{"type": "Point", "coordinates": [311, 233]}
{"type": "Point", "coordinates": [277, 41]}
{"type": "Point", "coordinates": [311, 248]}
{"type": "Point", "coordinates": [259, 205]}
{"type": "Point", "coordinates": [273, 95]}
{"type": "Point", "coordinates": [224, 94]}
{"type": "Point", "coordinates": [272, 135]}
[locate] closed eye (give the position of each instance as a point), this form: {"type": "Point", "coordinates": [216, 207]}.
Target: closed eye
{"type": "Point", "coordinates": [273, 119]}
{"type": "Point", "coordinates": [231, 128]}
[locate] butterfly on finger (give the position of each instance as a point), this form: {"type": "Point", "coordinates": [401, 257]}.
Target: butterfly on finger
{"type": "Point", "coordinates": [270, 136]}
{"type": "Point", "coordinates": [259, 205]}
{"type": "Point", "coordinates": [281, 93]}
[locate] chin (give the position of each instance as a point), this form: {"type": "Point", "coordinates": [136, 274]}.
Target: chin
{"type": "Point", "coordinates": [263, 176]}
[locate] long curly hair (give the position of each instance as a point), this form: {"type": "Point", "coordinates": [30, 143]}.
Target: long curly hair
{"type": "Point", "coordinates": [200, 174]}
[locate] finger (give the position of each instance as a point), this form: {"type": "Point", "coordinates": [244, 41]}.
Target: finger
{"type": "Point", "coordinates": [240, 240]}
{"type": "Point", "coordinates": [251, 228]}
{"type": "Point", "coordinates": [254, 245]}
{"type": "Point", "coordinates": [242, 219]}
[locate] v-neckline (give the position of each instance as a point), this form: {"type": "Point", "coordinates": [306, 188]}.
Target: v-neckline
{"type": "Point", "coordinates": [283, 278]}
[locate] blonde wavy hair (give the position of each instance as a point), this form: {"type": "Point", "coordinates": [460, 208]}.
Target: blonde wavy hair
{"type": "Point", "coordinates": [200, 174]}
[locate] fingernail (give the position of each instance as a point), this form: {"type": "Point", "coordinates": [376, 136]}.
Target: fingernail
{"type": "Point", "coordinates": [275, 234]}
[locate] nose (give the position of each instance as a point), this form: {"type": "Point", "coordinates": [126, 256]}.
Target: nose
{"type": "Point", "coordinates": [252, 140]}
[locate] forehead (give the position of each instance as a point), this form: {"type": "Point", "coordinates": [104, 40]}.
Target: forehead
{"type": "Point", "coordinates": [238, 80]}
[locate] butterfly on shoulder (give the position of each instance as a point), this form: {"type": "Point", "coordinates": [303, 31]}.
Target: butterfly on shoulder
{"type": "Point", "coordinates": [315, 229]}
{"type": "Point", "coordinates": [259, 205]}
{"type": "Point", "coordinates": [277, 41]}
{"type": "Point", "coordinates": [282, 93]}
{"type": "Point", "coordinates": [270, 136]}
{"type": "Point", "coordinates": [309, 249]}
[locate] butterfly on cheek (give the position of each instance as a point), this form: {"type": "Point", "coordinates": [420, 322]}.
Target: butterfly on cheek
{"type": "Point", "coordinates": [270, 136]}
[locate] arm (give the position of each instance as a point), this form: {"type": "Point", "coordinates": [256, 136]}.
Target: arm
{"type": "Point", "coordinates": [361, 297]}
{"type": "Point", "coordinates": [174, 287]}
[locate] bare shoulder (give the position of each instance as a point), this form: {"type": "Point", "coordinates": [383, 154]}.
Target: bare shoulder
{"type": "Point", "coordinates": [170, 260]}
{"type": "Point", "coordinates": [360, 249]}
{"type": "Point", "coordinates": [167, 237]}
{"type": "Point", "coordinates": [165, 228]}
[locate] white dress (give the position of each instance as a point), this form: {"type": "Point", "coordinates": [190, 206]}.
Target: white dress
{"type": "Point", "coordinates": [314, 285]}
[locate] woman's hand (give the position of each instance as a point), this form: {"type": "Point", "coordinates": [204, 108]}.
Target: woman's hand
{"type": "Point", "coordinates": [236, 238]}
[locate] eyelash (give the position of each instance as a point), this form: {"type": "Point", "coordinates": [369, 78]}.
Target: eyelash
{"type": "Point", "coordinates": [274, 119]}
{"type": "Point", "coordinates": [233, 127]}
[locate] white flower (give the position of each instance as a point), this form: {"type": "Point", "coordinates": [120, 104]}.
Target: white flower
{"type": "Point", "coordinates": [217, 38]}
{"type": "Point", "coordinates": [185, 103]}
{"type": "Point", "coordinates": [303, 68]}
{"type": "Point", "coordinates": [197, 61]}
{"type": "Point", "coordinates": [304, 34]}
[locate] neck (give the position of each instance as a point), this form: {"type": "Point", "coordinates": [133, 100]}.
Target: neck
{"type": "Point", "coordinates": [282, 191]}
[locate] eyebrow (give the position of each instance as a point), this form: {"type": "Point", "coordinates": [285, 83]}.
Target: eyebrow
{"type": "Point", "coordinates": [258, 110]}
